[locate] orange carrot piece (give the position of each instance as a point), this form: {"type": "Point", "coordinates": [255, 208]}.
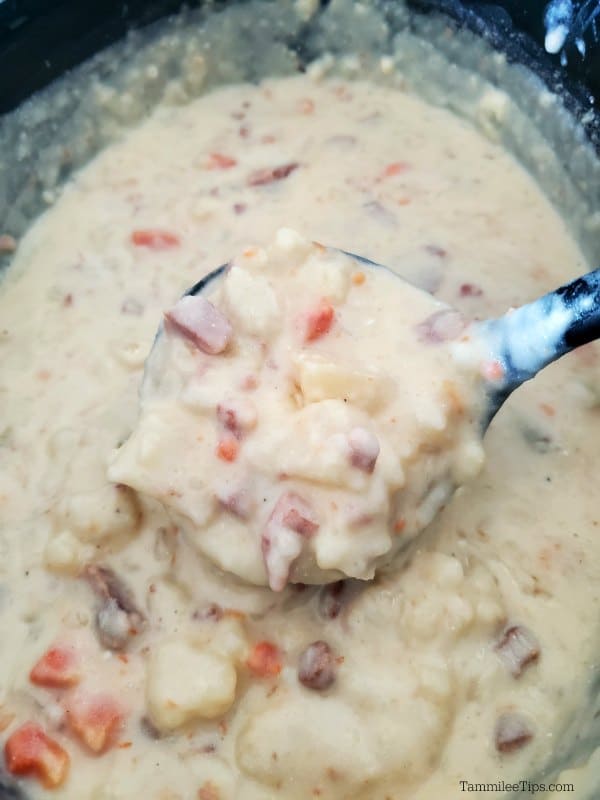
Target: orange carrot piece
{"type": "Point", "coordinates": [58, 668]}
{"type": "Point", "coordinates": [30, 752]}
{"type": "Point", "coordinates": [319, 321]}
{"type": "Point", "coordinates": [265, 660]}
{"type": "Point", "coordinates": [155, 239]}
{"type": "Point", "coordinates": [95, 720]}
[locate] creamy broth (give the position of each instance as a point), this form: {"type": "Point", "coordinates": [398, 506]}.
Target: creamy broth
{"type": "Point", "coordinates": [305, 416]}
{"type": "Point", "coordinates": [466, 665]}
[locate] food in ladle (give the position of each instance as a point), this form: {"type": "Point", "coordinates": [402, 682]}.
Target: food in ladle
{"type": "Point", "coordinates": [305, 416]}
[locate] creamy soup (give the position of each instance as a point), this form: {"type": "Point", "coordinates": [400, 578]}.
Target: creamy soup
{"type": "Point", "coordinates": [306, 415]}
{"type": "Point", "coordinates": [135, 662]}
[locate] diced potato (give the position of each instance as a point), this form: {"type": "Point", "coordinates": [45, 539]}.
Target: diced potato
{"type": "Point", "coordinates": [312, 446]}
{"type": "Point", "coordinates": [352, 552]}
{"type": "Point", "coordinates": [229, 639]}
{"type": "Point", "coordinates": [102, 514]}
{"type": "Point", "coordinates": [335, 734]}
{"type": "Point", "coordinates": [202, 396]}
{"type": "Point", "coordinates": [251, 302]}
{"type": "Point", "coordinates": [186, 681]}
{"type": "Point", "coordinates": [289, 249]}
{"type": "Point", "coordinates": [321, 380]}
{"type": "Point", "coordinates": [327, 277]}
{"type": "Point", "coordinates": [469, 461]}
{"type": "Point", "coordinates": [162, 460]}
{"type": "Point", "coordinates": [64, 553]}
{"type": "Point", "coordinates": [435, 678]}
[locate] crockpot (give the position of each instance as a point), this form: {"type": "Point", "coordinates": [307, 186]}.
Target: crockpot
{"type": "Point", "coordinates": [43, 41]}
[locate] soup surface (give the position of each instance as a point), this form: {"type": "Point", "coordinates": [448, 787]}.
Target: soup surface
{"type": "Point", "coordinates": [305, 416]}
{"type": "Point", "coordinates": [132, 665]}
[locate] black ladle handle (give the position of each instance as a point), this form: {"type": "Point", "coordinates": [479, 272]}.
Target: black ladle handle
{"type": "Point", "coordinates": [528, 338]}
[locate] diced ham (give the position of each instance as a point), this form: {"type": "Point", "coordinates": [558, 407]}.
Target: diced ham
{"type": "Point", "coordinates": [441, 326]}
{"type": "Point", "coordinates": [261, 177]}
{"type": "Point", "coordinates": [118, 619]}
{"type": "Point", "coordinates": [295, 513]}
{"type": "Point", "coordinates": [149, 729]}
{"type": "Point", "coordinates": [331, 600]}
{"type": "Point", "coordinates": [319, 321]}
{"type": "Point", "coordinates": [470, 290]}
{"type": "Point", "coordinates": [291, 522]}
{"type": "Point", "coordinates": [238, 502]}
{"type": "Point", "coordinates": [518, 648]}
{"type": "Point", "coordinates": [29, 751]}
{"type": "Point", "coordinates": [237, 415]}
{"type": "Point", "coordinates": [317, 666]}
{"type": "Point", "coordinates": [436, 250]}
{"type": "Point", "coordinates": [95, 720]}
{"type": "Point", "coordinates": [336, 597]}
{"type": "Point", "coordinates": [364, 449]}
{"type": "Point", "coordinates": [512, 732]}
{"type": "Point", "coordinates": [296, 521]}
{"type": "Point", "coordinates": [155, 239]}
{"type": "Point", "coordinates": [195, 318]}
{"type": "Point", "coordinates": [58, 668]}
{"type": "Point", "coordinates": [8, 243]}
{"type": "Point", "coordinates": [265, 660]}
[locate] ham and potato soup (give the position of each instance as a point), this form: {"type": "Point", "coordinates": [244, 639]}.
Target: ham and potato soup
{"type": "Point", "coordinates": [197, 600]}
{"type": "Point", "coordinates": [308, 417]}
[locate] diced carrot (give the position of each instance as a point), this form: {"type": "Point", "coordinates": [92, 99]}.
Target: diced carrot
{"type": "Point", "coordinates": [155, 239]}
{"type": "Point", "coordinates": [29, 751]}
{"type": "Point", "coordinates": [228, 448]}
{"type": "Point", "coordinates": [492, 371]}
{"type": "Point", "coordinates": [265, 660]}
{"type": "Point", "coordinates": [319, 321]}
{"type": "Point", "coordinates": [58, 668]}
{"type": "Point", "coordinates": [358, 278]}
{"type": "Point", "coordinates": [395, 168]}
{"type": "Point", "coordinates": [220, 161]}
{"type": "Point", "coordinates": [548, 409]}
{"type": "Point", "coordinates": [95, 720]}
{"type": "Point", "coordinates": [399, 525]}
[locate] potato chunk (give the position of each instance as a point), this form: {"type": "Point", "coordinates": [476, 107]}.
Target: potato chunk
{"type": "Point", "coordinates": [320, 379]}
{"type": "Point", "coordinates": [251, 302]}
{"type": "Point", "coordinates": [185, 682]}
